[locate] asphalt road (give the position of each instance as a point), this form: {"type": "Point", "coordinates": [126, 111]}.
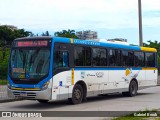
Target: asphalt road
{"type": "Point", "coordinates": [146, 99]}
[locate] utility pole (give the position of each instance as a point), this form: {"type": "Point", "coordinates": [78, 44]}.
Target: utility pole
{"type": "Point", "coordinates": [140, 24]}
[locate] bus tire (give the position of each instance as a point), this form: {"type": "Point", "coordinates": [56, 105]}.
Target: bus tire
{"type": "Point", "coordinates": [42, 101]}
{"type": "Point", "coordinates": [77, 95]}
{"type": "Point", "coordinates": [125, 94]}
{"type": "Point", "coordinates": [133, 87]}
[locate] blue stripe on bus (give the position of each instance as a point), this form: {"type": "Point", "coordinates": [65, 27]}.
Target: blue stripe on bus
{"type": "Point", "coordinates": [59, 39]}
{"type": "Point", "coordinates": [111, 45]}
{"type": "Point", "coordinates": [95, 43]}
{"type": "Point", "coordinates": [120, 46]}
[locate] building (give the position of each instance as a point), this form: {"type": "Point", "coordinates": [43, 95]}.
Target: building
{"type": "Point", "coordinates": [86, 35]}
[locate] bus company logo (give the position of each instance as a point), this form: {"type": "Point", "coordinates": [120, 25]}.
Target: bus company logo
{"type": "Point", "coordinates": [90, 75]}
{"type": "Point", "coordinates": [99, 74]}
{"type": "Point", "coordinates": [60, 83]}
{"type": "Point", "coordinates": [6, 114]}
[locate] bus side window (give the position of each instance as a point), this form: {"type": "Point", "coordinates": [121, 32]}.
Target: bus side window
{"type": "Point", "coordinates": [61, 59]}
{"type": "Point", "coordinates": [65, 59]}
{"type": "Point", "coordinates": [150, 59]}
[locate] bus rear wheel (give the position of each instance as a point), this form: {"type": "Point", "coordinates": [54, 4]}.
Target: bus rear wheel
{"type": "Point", "coordinates": [77, 95]}
{"type": "Point", "coordinates": [42, 101]}
{"type": "Point", "coordinates": [133, 87]}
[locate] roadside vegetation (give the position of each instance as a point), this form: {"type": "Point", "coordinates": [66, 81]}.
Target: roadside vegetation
{"type": "Point", "coordinates": [4, 63]}
{"type": "Point", "coordinates": [3, 82]}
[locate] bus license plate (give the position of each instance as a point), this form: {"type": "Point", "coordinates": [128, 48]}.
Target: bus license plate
{"type": "Point", "coordinates": [23, 94]}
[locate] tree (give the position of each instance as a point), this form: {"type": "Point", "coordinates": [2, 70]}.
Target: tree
{"type": "Point", "coordinates": [154, 44]}
{"type": "Point", "coordinates": [7, 35]}
{"type": "Point", "coordinates": [66, 33]}
{"type": "Point", "coordinates": [31, 35]}
{"type": "Point", "coordinates": [46, 33]}
{"type": "Point", "coordinates": [4, 63]}
{"type": "Point", "coordinates": [43, 34]}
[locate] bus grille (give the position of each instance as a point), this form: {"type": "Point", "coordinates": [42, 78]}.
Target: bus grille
{"type": "Point", "coordinates": [29, 95]}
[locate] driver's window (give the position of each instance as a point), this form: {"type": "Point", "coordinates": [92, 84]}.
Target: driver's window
{"type": "Point", "coordinates": [61, 59]}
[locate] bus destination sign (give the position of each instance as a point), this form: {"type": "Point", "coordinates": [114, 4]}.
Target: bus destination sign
{"type": "Point", "coordinates": [35, 43]}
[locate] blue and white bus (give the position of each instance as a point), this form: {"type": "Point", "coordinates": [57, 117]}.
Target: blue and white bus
{"type": "Point", "coordinates": [55, 68]}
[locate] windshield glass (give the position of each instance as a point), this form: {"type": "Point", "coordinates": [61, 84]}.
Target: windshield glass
{"type": "Point", "coordinates": [29, 63]}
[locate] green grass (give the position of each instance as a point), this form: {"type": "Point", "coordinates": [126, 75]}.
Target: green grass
{"type": "Point", "coordinates": [3, 82]}
{"type": "Point", "coordinates": [130, 118]}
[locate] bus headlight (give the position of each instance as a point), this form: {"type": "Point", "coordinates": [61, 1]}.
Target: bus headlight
{"type": "Point", "coordinates": [45, 86]}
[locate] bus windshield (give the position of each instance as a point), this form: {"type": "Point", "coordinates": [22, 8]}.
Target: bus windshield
{"type": "Point", "coordinates": [29, 63]}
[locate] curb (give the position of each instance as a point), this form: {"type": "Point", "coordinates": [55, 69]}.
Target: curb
{"type": "Point", "coordinates": [10, 100]}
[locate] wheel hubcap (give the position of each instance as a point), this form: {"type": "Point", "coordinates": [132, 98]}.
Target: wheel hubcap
{"type": "Point", "coordinates": [133, 89]}
{"type": "Point", "coordinates": [77, 94]}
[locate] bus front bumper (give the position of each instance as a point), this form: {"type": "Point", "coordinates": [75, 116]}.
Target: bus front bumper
{"type": "Point", "coordinates": [30, 95]}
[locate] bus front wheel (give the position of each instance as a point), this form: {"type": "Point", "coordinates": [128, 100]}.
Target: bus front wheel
{"type": "Point", "coordinates": [77, 95]}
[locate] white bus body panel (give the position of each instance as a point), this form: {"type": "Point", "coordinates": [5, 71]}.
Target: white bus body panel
{"type": "Point", "coordinates": [101, 81]}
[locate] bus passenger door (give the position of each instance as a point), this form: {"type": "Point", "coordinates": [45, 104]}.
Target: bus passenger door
{"type": "Point", "coordinates": [62, 72]}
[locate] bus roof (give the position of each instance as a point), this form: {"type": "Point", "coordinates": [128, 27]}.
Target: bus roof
{"type": "Point", "coordinates": [104, 44]}
{"type": "Point", "coordinates": [34, 38]}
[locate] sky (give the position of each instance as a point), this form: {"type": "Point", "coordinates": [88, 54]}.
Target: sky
{"type": "Point", "coordinates": [110, 18]}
